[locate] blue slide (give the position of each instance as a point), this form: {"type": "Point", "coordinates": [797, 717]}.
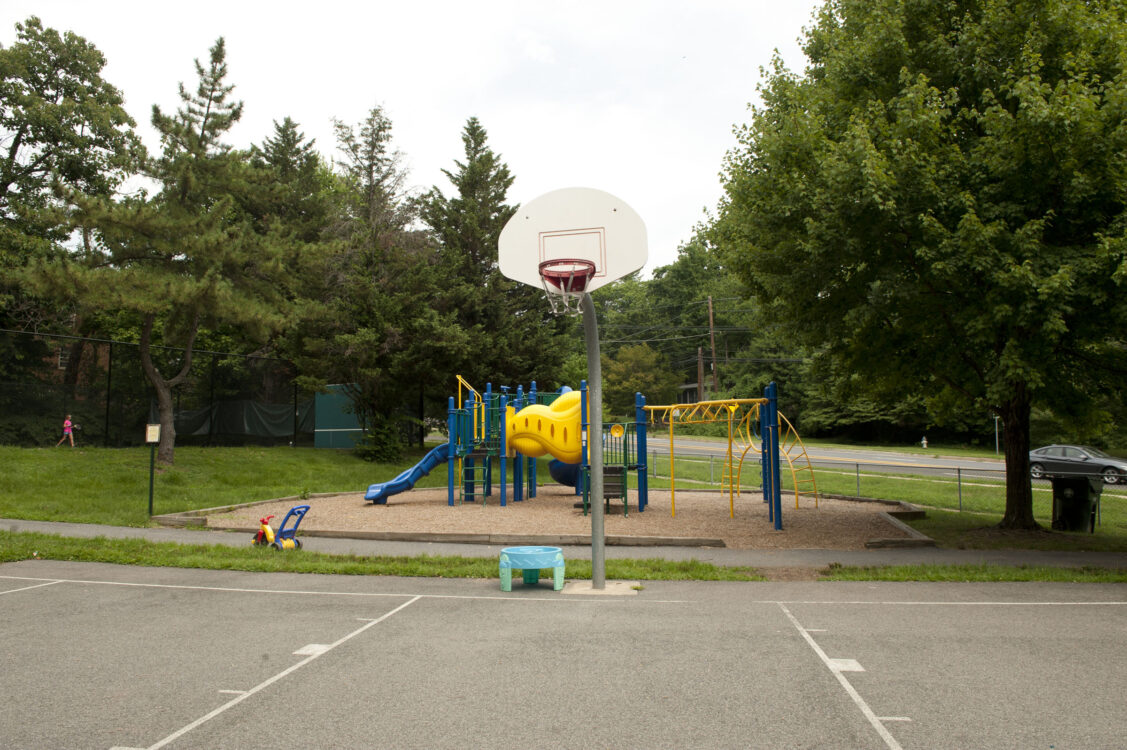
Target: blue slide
{"type": "Point", "coordinates": [565, 474]}
{"type": "Point", "coordinates": [379, 493]}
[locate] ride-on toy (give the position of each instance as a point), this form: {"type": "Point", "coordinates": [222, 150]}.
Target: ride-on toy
{"type": "Point", "coordinates": [285, 538]}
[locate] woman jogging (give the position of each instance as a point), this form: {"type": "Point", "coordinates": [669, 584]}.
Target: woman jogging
{"type": "Point", "coordinates": [68, 432]}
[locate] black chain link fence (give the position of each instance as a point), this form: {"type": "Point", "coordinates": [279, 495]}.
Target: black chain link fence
{"type": "Point", "coordinates": [227, 399]}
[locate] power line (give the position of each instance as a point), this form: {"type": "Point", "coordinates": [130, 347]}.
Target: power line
{"type": "Point", "coordinates": [648, 341]}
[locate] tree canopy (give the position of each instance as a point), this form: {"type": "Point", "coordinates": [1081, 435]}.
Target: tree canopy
{"type": "Point", "coordinates": [514, 338]}
{"type": "Point", "coordinates": [61, 123]}
{"type": "Point", "coordinates": [939, 202]}
{"type": "Point", "coordinates": [194, 254]}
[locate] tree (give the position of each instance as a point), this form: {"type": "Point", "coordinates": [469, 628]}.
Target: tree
{"type": "Point", "coordinates": [515, 338]}
{"type": "Point", "coordinates": [374, 175]}
{"type": "Point", "coordinates": [469, 224]}
{"type": "Point", "coordinates": [61, 123]}
{"type": "Point", "coordinates": [384, 327]}
{"type": "Point", "coordinates": [304, 198]}
{"type": "Point", "coordinates": [193, 255]}
{"type": "Point", "coordinates": [939, 202]}
{"type": "Point", "coordinates": [636, 369]}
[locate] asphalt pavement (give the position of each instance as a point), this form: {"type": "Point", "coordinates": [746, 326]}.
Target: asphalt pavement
{"type": "Point", "coordinates": [115, 657]}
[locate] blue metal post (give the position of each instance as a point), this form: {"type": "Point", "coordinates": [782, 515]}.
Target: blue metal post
{"type": "Point", "coordinates": [518, 460]}
{"type": "Point", "coordinates": [487, 411]}
{"type": "Point", "coordinates": [532, 461]}
{"type": "Point", "coordinates": [504, 442]}
{"type": "Point", "coordinates": [452, 450]}
{"type": "Point", "coordinates": [772, 395]}
{"type": "Point", "coordinates": [584, 467]}
{"type": "Point", "coordinates": [640, 433]}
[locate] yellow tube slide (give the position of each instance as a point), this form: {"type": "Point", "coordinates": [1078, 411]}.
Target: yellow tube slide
{"type": "Point", "coordinates": [539, 429]}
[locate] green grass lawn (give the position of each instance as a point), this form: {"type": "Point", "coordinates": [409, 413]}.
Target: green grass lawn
{"type": "Point", "coordinates": [974, 574]}
{"type": "Point", "coordinates": [111, 486]}
{"type": "Point", "coordinates": [961, 509]}
{"type": "Point", "coordinates": [25, 546]}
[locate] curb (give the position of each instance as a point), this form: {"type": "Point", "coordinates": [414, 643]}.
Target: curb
{"type": "Point", "coordinates": [556, 540]}
{"type": "Point", "coordinates": [914, 539]}
{"type": "Point", "coordinates": [198, 518]}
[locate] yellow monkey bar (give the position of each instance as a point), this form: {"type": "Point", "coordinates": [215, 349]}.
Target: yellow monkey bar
{"type": "Point", "coordinates": [742, 417]}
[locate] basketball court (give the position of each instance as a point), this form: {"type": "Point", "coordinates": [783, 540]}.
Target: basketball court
{"type": "Point", "coordinates": [101, 656]}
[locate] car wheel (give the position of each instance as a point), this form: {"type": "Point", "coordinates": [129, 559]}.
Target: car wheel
{"type": "Point", "coordinates": [1112, 476]}
{"type": "Point", "coordinates": [1037, 471]}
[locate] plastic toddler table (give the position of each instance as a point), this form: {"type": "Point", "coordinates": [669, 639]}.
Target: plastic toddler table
{"type": "Point", "coordinates": [531, 560]}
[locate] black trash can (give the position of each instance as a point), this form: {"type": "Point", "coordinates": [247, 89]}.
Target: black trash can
{"type": "Point", "coordinates": [1075, 501]}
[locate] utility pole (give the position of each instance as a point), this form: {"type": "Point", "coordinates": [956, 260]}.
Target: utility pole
{"type": "Point", "coordinates": [700, 373]}
{"type": "Point", "coordinates": [712, 337]}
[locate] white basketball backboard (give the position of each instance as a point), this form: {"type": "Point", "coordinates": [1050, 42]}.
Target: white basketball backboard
{"type": "Point", "coordinates": [574, 223]}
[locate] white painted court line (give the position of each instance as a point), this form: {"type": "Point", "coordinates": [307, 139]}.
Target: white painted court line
{"type": "Point", "coordinates": [313, 649]}
{"type": "Point", "coordinates": [270, 681]}
{"type": "Point", "coordinates": [845, 665]}
{"type": "Point", "coordinates": [897, 603]}
{"type": "Point", "coordinates": [29, 588]}
{"type": "Point", "coordinates": [548, 596]}
{"type": "Point", "coordinates": [874, 720]}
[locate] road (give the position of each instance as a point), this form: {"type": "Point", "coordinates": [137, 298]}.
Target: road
{"type": "Point", "coordinates": [848, 458]}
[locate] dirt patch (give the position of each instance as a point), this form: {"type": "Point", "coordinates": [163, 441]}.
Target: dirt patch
{"type": "Point", "coordinates": [740, 524]}
{"type": "Point", "coordinates": [783, 573]}
{"type": "Point", "coordinates": [992, 536]}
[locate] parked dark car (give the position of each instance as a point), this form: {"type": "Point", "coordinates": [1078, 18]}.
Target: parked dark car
{"type": "Point", "coordinates": [1076, 460]}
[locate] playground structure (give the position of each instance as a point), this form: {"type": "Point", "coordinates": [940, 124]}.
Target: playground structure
{"type": "Point", "coordinates": [753, 423]}
{"type": "Point", "coordinates": [493, 436]}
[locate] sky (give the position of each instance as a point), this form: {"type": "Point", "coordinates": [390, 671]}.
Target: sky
{"type": "Point", "coordinates": [637, 98]}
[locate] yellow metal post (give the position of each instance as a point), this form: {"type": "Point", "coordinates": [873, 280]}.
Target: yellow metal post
{"type": "Point", "coordinates": [672, 483]}
{"type": "Point", "coordinates": [731, 465]}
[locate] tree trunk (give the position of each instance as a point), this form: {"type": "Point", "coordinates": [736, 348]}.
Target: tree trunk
{"type": "Point", "coordinates": [422, 416]}
{"type": "Point", "coordinates": [1019, 487]}
{"type": "Point", "coordinates": [167, 446]}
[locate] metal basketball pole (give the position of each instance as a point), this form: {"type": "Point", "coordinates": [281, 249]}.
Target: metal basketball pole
{"type": "Point", "coordinates": [595, 443]}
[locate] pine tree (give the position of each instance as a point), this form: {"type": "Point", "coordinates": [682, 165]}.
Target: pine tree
{"type": "Point", "coordinates": [303, 196]}
{"type": "Point", "coordinates": [515, 337]}
{"type": "Point", "coordinates": [192, 255]}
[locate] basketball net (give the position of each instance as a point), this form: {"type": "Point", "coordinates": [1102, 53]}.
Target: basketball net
{"type": "Point", "coordinates": [565, 283]}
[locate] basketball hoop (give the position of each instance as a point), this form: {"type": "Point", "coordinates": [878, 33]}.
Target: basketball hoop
{"type": "Point", "coordinates": [565, 280]}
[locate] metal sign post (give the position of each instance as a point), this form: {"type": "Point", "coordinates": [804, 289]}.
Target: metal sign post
{"type": "Point", "coordinates": [595, 443]}
{"type": "Point", "coordinates": [152, 437]}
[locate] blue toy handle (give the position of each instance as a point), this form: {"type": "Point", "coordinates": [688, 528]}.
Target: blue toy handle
{"type": "Point", "coordinates": [297, 513]}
